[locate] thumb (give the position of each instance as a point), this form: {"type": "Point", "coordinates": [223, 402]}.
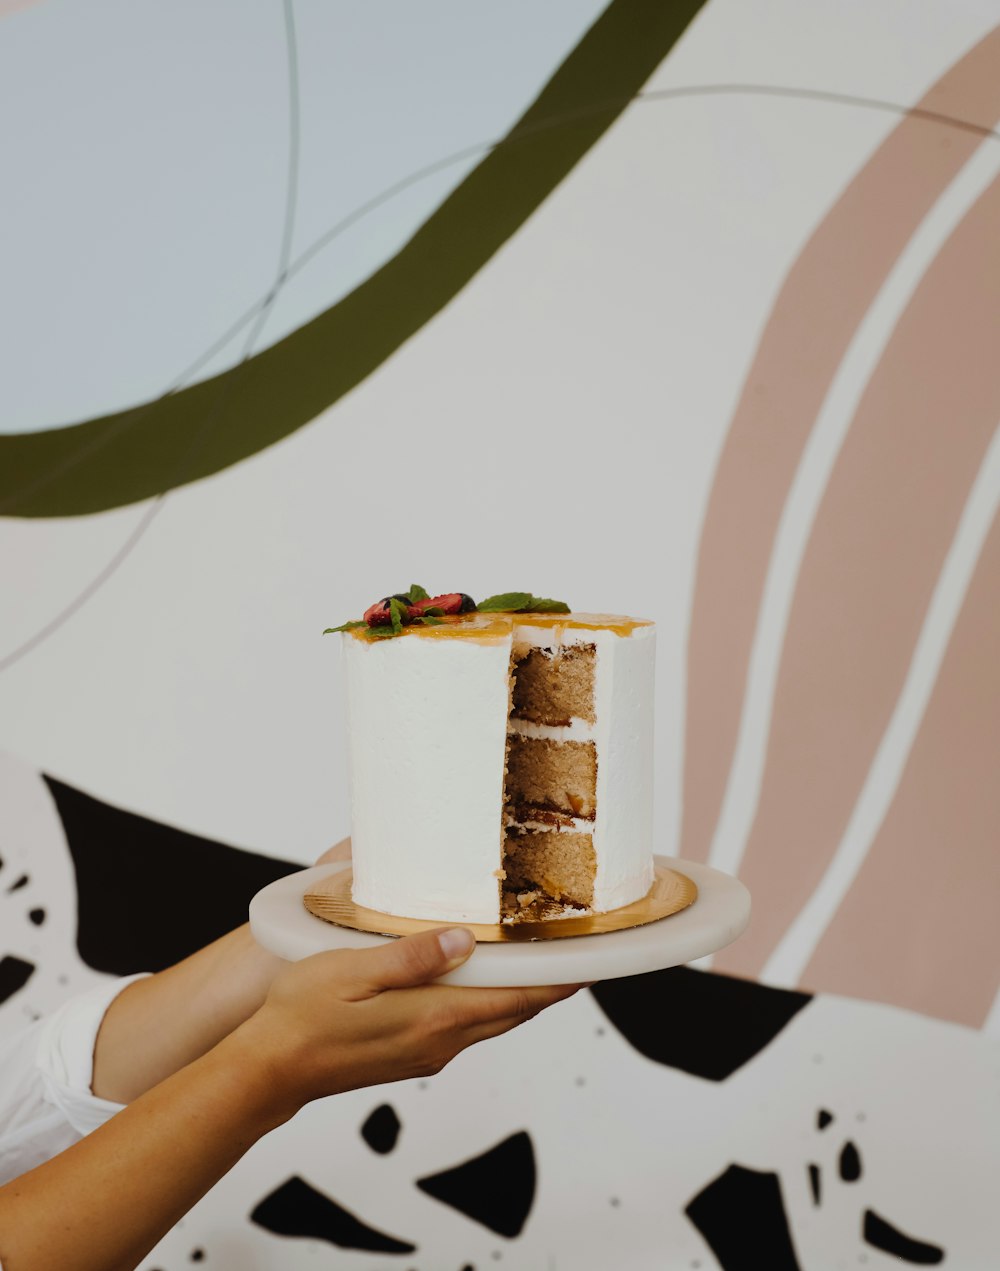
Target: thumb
{"type": "Point", "coordinates": [411, 960]}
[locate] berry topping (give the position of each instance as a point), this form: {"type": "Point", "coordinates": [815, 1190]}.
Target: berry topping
{"type": "Point", "coordinates": [388, 616]}
{"type": "Point", "coordinates": [380, 613]}
{"type": "Point", "coordinates": [449, 603]}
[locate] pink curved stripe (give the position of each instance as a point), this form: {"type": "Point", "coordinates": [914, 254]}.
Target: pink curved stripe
{"type": "Point", "coordinates": [880, 539]}
{"type": "Point", "coordinates": [826, 294]}
{"type": "Point", "coordinates": [920, 927]}
{"type": "Point", "coordinates": [12, 6]}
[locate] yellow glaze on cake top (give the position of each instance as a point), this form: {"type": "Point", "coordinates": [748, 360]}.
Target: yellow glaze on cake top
{"type": "Point", "coordinates": [483, 628]}
{"type": "Point", "coordinates": [491, 628]}
{"type": "Point", "coordinates": [615, 622]}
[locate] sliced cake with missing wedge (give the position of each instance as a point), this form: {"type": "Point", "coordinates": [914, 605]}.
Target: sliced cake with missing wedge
{"type": "Point", "coordinates": [501, 763]}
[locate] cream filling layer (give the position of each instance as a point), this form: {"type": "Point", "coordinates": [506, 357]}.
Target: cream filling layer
{"type": "Point", "coordinates": [571, 825]}
{"type": "Point", "coordinates": [575, 730]}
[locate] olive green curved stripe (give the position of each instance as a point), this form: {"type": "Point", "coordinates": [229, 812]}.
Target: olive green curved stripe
{"type": "Point", "coordinates": [134, 454]}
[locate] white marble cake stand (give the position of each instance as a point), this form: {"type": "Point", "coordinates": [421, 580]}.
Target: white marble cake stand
{"type": "Point", "coordinates": [282, 924]}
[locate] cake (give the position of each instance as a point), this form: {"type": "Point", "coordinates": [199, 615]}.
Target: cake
{"type": "Point", "coordinates": [500, 757]}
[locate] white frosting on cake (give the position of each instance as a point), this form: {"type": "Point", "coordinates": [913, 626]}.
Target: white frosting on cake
{"type": "Point", "coordinates": [427, 738]}
{"type": "Point", "coordinates": [623, 826]}
{"type": "Point", "coordinates": [428, 724]}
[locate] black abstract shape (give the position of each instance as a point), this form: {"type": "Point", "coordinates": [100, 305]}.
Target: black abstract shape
{"type": "Point", "coordinates": [150, 894]}
{"type": "Point", "coordinates": [705, 1024]}
{"type": "Point", "coordinates": [823, 1118]}
{"type": "Point", "coordinates": [197, 1255]}
{"type": "Point", "coordinates": [742, 1217]}
{"type": "Point", "coordinates": [14, 975]}
{"type": "Point", "coordinates": [37, 916]}
{"type": "Point", "coordinates": [850, 1163]}
{"type": "Point", "coordinates": [18, 884]}
{"type": "Point", "coordinates": [814, 1182]}
{"type": "Point", "coordinates": [381, 1130]}
{"type": "Point", "coordinates": [881, 1234]}
{"type": "Point", "coordinates": [296, 1209]}
{"type": "Point", "coordinates": [496, 1189]}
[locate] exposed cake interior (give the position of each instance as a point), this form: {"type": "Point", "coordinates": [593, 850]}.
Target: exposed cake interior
{"type": "Point", "coordinates": [550, 790]}
{"type": "Point", "coordinates": [554, 686]}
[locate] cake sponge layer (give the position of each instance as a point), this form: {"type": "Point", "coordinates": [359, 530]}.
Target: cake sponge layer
{"type": "Point", "coordinates": [558, 775]}
{"type": "Point", "coordinates": [560, 863]}
{"type": "Point", "coordinates": [553, 687]}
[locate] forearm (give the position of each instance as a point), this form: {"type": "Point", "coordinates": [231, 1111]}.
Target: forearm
{"type": "Point", "coordinates": [160, 1024]}
{"type": "Point", "coordinates": [331, 1022]}
{"type": "Point", "coordinates": [102, 1204]}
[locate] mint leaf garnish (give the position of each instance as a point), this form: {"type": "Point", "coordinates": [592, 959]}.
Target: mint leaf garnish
{"type": "Point", "coordinates": [506, 602]}
{"type": "Point", "coordinates": [521, 602]}
{"type": "Point", "coordinates": [428, 619]}
{"type": "Point", "coordinates": [345, 626]}
{"type": "Point", "coordinates": [381, 633]}
{"type": "Point", "coordinates": [396, 616]}
{"type": "Point", "coordinates": [539, 605]}
{"type": "Point", "coordinates": [417, 592]}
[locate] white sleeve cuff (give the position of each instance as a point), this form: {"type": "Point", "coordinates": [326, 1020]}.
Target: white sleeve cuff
{"type": "Point", "coordinates": [46, 1071]}
{"type": "Point", "coordinates": [65, 1056]}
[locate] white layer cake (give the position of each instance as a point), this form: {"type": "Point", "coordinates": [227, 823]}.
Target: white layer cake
{"type": "Point", "coordinates": [499, 760]}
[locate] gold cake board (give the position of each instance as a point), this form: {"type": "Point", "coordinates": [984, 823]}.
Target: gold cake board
{"type": "Point", "coordinates": [330, 899]}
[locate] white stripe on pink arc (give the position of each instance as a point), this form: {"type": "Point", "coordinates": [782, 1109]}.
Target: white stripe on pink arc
{"type": "Point", "coordinates": [919, 926]}
{"type": "Point", "coordinates": [881, 537]}
{"type": "Point", "coordinates": [824, 298]}
{"type": "Point", "coordinates": [787, 964]}
{"type": "Point", "coordinates": [811, 480]}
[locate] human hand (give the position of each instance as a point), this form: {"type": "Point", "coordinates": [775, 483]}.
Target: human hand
{"type": "Point", "coordinates": [349, 1018]}
{"type": "Point", "coordinates": [159, 1024]}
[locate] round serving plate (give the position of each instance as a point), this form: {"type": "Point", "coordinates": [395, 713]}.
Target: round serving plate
{"type": "Point", "coordinates": [718, 914]}
{"type": "Point", "coordinates": [331, 900]}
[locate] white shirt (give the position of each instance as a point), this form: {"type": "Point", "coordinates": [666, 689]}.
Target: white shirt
{"type": "Point", "coordinates": [46, 1071]}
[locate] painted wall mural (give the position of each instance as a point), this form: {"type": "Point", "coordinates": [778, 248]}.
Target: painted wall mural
{"type": "Point", "coordinates": [714, 290]}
